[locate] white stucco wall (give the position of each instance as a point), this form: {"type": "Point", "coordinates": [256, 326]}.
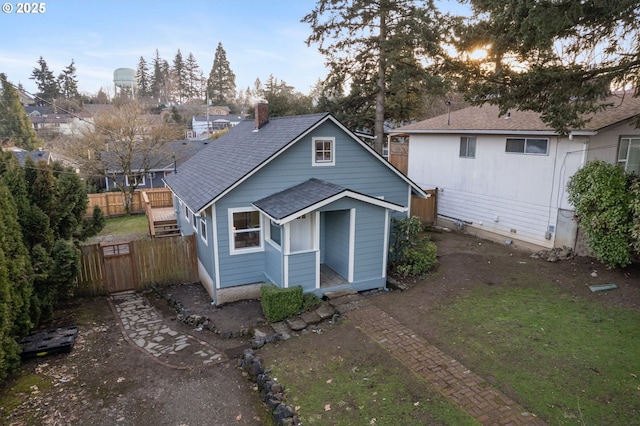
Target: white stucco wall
{"type": "Point", "coordinates": [515, 196]}
{"type": "Point", "coordinates": [604, 145]}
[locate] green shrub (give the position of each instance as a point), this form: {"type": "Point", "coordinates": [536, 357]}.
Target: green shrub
{"type": "Point", "coordinates": [412, 253]}
{"type": "Point", "coordinates": [280, 303]}
{"type": "Point", "coordinates": [417, 260]}
{"type": "Point", "coordinates": [606, 203]}
{"type": "Point", "coordinates": [310, 301]}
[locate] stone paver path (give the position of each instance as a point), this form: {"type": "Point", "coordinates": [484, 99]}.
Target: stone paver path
{"type": "Point", "coordinates": [468, 390]}
{"type": "Point", "coordinates": [144, 327]}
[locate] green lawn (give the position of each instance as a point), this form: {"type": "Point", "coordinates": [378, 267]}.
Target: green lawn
{"type": "Point", "coordinates": [569, 360]}
{"type": "Point", "coordinates": [133, 224]}
{"type": "Point", "coordinates": [350, 382]}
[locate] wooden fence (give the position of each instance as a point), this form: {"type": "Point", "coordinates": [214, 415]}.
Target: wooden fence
{"type": "Point", "coordinates": [426, 208]}
{"type": "Point", "coordinates": [112, 205]}
{"type": "Point", "coordinates": [150, 261]}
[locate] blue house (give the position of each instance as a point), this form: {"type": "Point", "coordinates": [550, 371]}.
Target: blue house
{"type": "Point", "coordinates": [290, 201]}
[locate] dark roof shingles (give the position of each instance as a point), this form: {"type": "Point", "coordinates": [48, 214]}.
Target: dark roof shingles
{"type": "Point", "coordinates": [297, 198]}
{"type": "Point", "coordinates": [235, 154]}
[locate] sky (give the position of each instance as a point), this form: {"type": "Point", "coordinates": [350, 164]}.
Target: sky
{"type": "Point", "coordinates": [260, 38]}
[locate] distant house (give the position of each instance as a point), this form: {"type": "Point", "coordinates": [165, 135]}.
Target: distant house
{"type": "Point", "coordinates": [38, 155]}
{"type": "Point", "coordinates": [506, 176]}
{"type": "Point", "coordinates": [48, 123]}
{"type": "Point", "coordinates": [149, 168]}
{"type": "Point", "coordinates": [204, 126]}
{"type": "Point", "coordinates": [290, 201]}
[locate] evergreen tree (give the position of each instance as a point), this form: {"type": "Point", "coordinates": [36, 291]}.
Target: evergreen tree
{"type": "Point", "coordinates": [48, 89]}
{"type": "Point", "coordinates": [194, 77]}
{"type": "Point", "coordinates": [143, 79]}
{"type": "Point", "coordinates": [179, 78]}
{"type": "Point", "coordinates": [68, 82]}
{"type": "Point", "coordinates": [15, 126]}
{"type": "Point", "coordinates": [559, 58]}
{"type": "Point", "coordinates": [283, 101]}
{"type": "Point", "coordinates": [361, 41]}
{"type": "Point", "coordinates": [221, 85]}
{"type": "Point", "coordinates": [157, 81]}
{"type": "Point", "coordinates": [167, 84]}
{"type": "Point", "coordinates": [15, 284]}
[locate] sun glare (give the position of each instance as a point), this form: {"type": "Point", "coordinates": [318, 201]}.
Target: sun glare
{"type": "Point", "coordinates": [478, 54]}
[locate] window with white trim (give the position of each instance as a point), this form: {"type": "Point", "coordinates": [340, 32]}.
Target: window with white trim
{"type": "Point", "coordinates": [137, 179]}
{"type": "Point", "coordinates": [323, 151]}
{"type": "Point", "coordinates": [245, 231]}
{"type": "Point", "coordinates": [629, 154]}
{"type": "Point", "coordinates": [539, 146]}
{"type": "Point", "coordinates": [203, 229]}
{"type": "Point", "coordinates": [467, 147]}
{"type": "Point", "coordinates": [187, 213]}
{"type": "Point", "coordinates": [275, 233]}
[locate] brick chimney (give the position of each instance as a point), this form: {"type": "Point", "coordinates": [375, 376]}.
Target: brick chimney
{"type": "Point", "coordinates": [262, 113]}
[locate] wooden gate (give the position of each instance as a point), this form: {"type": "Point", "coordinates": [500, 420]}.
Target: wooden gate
{"type": "Point", "coordinates": [119, 267]}
{"type": "Point", "coordinates": [426, 208]}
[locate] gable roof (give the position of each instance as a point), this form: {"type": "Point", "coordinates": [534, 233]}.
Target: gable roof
{"type": "Point", "coordinates": [486, 119]}
{"type": "Point", "coordinates": [286, 205]}
{"type": "Point", "coordinates": [243, 150]}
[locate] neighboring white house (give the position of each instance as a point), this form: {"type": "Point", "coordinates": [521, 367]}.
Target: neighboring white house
{"type": "Point", "coordinates": [505, 177]}
{"type": "Point", "coordinates": [214, 123]}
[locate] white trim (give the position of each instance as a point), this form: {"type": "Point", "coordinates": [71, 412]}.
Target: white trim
{"type": "Point", "coordinates": [203, 235]}
{"type": "Point", "coordinates": [352, 242]}
{"type": "Point", "coordinates": [385, 247]}
{"type": "Point", "coordinates": [216, 255]}
{"type": "Point", "coordinates": [353, 136]}
{"type": "Point", "coordinates": [346, 193]}
{"type": "Point", "coordinates": [126, 180]}
{"type": "Point", "coordinates": [332, 149]}
{"type": "Point", "coordinates": [485, 132]}
{"type": "Point", "coordinates": [285, 273]}
{"type": "Point", "coordinates": [232, 247]}
{"type": "Point", "coordinates": [317, 247]}
{"type": "Point", "coordinates": [409, 202]}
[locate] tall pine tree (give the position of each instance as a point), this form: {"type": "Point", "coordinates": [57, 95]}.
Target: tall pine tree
{"type": "Point", "coordinates": [194, 77]}
{"type": "Point", "coordinates": [559, 58]}
{"type": "Point", "coordinates": [360, 40]}
{"type": "Point", "coordinates": [48, 89]}
{"type": "Point", "coordinates": [221, 85]}
{"type": "Point", "coordinates": [68, 82]}
{"type": "Point", "coordinates": [15, 127]}
{"type": "Point", "coordinates": [179, 78]}
{"type": "Point", "coordinates": [143, 79]}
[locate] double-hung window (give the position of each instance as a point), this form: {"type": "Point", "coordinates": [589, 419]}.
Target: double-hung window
{"type": "Point", "coordinates": [467, 147]}
{"type": "Point", "coordinates": [629, 154]}
{"type": "Point", "coordinates": [245, 230]}
{"type": "Point", "coordinates": [323, 151]}
{"type": "Point", "coordinates": [538, 146]}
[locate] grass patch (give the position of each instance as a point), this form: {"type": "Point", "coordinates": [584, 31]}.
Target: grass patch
{"type": "Point", "coordinates": [21, 386]}
{"type": "Point", "coordinates": [569, 360]}
{"type": "Point", "coordinates": [359, 390]}
{"type": "Point", "coordinates": [134, 224]}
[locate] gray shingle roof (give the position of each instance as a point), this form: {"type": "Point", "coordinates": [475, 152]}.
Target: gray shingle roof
{"type": "Point", "coordinates": [234, 155]}
{"type": "Point", "coordinates": [297, 198]}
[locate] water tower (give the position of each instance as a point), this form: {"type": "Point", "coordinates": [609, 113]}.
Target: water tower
{"type": "Point", "coordinates": [125, 80]}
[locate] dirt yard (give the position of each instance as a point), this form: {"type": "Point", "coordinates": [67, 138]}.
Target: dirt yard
{"type": "Point", "coordinates": [106, 381]}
